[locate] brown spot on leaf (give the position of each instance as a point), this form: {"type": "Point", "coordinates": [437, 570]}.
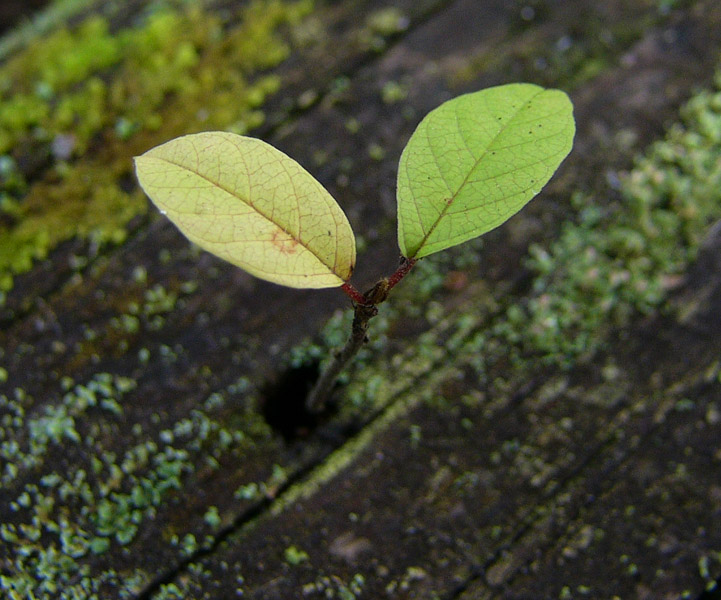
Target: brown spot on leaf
{"type": "Point", "coordinates": [285, 244]}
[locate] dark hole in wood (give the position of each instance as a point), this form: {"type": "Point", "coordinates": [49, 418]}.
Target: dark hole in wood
{"type": "Point", "coordinates": [284, 403]}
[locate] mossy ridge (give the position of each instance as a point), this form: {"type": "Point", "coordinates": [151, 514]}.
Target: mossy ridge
{"type": "Point", "coordinates": [117, 92]}
{"type": "Point", "coordinates": [620, 260]}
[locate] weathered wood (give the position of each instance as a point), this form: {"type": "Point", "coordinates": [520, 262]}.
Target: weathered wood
{"type": "Point", "coordinates": [596, 482]}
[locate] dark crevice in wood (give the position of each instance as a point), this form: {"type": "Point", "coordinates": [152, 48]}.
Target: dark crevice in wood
{"type": "Point", "coordinates": [284, 403]}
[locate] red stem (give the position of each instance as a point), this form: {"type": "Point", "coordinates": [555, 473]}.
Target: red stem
{"type": "Point", "coordinates": [353, 293]}
{"type": "Point", "coordinates": [402, 270]}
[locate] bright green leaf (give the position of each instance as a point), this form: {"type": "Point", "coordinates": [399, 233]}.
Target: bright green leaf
{"type": "Point", "coordinates": [252, 205]}
{"type": "Point", "coordinates": [476, 160]}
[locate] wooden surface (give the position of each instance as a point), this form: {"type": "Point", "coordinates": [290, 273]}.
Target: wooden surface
{"type": "Point", "coordinates": [432, 479]}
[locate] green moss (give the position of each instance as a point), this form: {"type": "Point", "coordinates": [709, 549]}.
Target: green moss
{"type": "Point", "coordinates": [58, 84]}
{"type": "Point", "coordinates": [387, 21]}
{"type": "Point", "coordinates": [62, 519]}
{"type": "Point", "coordinates": [394, 92]}
{"type": "Point", "coordinates": [88, 204]}
{"type": "Point", "coordinates": [620, 260]}
{"type": "Point", "coordinates": [381, 24]}
{"type": "Point", "coordinates": [334, 586]}
{"type": "Point", "coordinates": [169, 591]}
{"type": "Point", "coordinates": [41, 24]}
{"type": "Point", "coordinates": [294, 556]}
{"type": "Point", "coordinates": [211, 517]}
{"type": "Point", "coordinates": [91, 99]}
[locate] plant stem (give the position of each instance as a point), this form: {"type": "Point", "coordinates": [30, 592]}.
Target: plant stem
{"type": "Point", "coordinates": [318, 396]}
{"type": "Point", "coordinates": [402, 270]}
{"type": "Point", "coordinates": [365, 307]}
{"type": "Point", "coordinates": [353, 293]}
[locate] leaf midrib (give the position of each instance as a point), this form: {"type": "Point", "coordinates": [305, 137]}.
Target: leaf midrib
{"type": "Point", "coordinates": [255, 208]}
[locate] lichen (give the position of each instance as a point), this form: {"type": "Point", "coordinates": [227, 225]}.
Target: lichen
{"type": "Point", "coordinates": [332, 586]}
{"type": "Point", "coordinates": [294, 556]}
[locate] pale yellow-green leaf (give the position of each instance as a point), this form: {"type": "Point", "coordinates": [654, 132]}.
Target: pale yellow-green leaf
{"type": "Point", "coordinates": [247, 202]}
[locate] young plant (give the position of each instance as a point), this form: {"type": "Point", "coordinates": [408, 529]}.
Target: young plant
{"type": "Point", "coordinates": [471, 164]}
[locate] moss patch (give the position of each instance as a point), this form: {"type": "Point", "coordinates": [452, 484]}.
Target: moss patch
{"type": "Point", "coordinates": [622, 257]}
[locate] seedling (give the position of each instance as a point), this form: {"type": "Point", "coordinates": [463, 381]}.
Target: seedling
{"type": "Point", "coordinates": [471, 164]}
